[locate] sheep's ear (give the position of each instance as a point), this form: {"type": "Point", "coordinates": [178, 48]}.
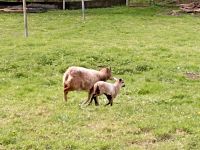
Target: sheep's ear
{"type": "Point", "coordinates": [110, 68]}
{"type": "Point", "coordinates": [100, 66]}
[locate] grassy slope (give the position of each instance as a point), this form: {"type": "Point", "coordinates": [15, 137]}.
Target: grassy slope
{"type": "Point", "coordinates": [158, 109]}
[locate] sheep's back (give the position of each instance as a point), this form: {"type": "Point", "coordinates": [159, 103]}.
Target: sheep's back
{"type": "Point", "coordinates": [82, 78]}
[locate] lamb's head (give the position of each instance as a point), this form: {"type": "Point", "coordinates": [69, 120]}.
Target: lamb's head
{"type": "Point", "coordinates": [107, 72]}
{"type": "Point", "coordinates": [119, 82]}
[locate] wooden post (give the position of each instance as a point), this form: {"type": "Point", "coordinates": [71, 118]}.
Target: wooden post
{"type": "Point", "coordinates": [63, 4]}
{"type": "Point", "coordinates": [83, 9]}
{"type": "Point", "coordinates": [25, 19]}
{"type": "Point", "coordinates": [127, 2]}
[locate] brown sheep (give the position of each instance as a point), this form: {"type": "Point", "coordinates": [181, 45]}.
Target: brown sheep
{"type": "Point", "coordinates": [79, 78]}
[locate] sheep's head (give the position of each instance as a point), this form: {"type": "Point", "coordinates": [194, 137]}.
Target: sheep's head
{"type": "Point", "coordinates": [107, 72]}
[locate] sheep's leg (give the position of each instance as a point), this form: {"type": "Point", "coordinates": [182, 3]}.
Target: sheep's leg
{"type": "Point", "coordinates": [91, 100]}
{"type": "Point", "coordinates": [90, 95]}
{"type": "Point", "coordinates": [86, 101]}
{"type": "Point", "coordinates": [65, 96]}
{"type": "Point", "coordinates": [65, 92]}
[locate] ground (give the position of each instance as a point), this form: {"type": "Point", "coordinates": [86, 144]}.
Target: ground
{"type": "Point", "coordinates": [156, 54]}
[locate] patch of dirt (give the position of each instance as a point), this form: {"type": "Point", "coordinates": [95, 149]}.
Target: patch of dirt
{"type": "Point", "coordinates": [145, 129]}
{"type": "Point", "coordinates": [144, 144]}
{"type": "Point", "coordinates": [148, 140]}
{"type": "Point", "coordinates": [164, 137]}
{"type": "Point", "coordinates": [101, 126]}
{"type": "Point", "coordinates": [192, 75]}
{"type": "Point", "coordinates": [181, 132]}
{"type": "Point", "coordinates": [43, 111]}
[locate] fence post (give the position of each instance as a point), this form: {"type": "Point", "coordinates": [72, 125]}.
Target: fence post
{"type": "Point", "coordinates": [83, 9]}
{"type": "Point", "coordinates": [63, 4]}
{"type": "Point", "coordinates": [25, 19]}
{"type": "Point", "coordinates": [127, 2]}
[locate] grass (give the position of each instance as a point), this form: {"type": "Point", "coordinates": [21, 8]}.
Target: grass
{"type": "Point", "coordinates": [158, 109]}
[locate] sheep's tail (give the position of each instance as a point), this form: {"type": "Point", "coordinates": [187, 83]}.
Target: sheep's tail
{"type": "Point", "coordinates": [65, 77]}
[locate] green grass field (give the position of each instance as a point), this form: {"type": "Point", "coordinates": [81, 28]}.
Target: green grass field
{"type": "Point", "coordinates": [158, 109]}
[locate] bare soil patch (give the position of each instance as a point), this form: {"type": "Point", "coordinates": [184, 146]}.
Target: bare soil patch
{"type": "Point", "coordinates": [192, 75]}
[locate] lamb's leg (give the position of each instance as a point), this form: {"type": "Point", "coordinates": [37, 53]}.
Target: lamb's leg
{"type": "Point", "coordinates": [109, 97]}
{"type": "Point", "coordinates": [111, 102]}
{"type": "Point", "coordinates": [97, 92]}
{"type": "Point", "coordinates": [95, 98]}
{"type": "Point", "coordinates": [96, 101]}
{"type": "Point", "coordinates": [107, 103]}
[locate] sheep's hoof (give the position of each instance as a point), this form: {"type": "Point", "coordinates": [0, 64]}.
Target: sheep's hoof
{"type": "Point", "coordinates": [96, 104]}
{"type": "Point", "coordinates": [89, 104]}
{"type": "Point", "coordinates": [83, 102]}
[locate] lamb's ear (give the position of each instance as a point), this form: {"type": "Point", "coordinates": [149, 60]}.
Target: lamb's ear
{"type": "Point", "coordinates": [115, 78]}
{"type": "Point", "coordinates": [110, 68]}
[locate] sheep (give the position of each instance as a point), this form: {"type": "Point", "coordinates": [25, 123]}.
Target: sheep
{"type": "Point", "coordinates": [79, 78]}
{"type": "Point", "coordinates": [108, 89]}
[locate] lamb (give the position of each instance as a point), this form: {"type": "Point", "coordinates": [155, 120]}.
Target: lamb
{"type": "Point", "coordinates": [79, 78]}
{"type": "Point", "coordinates": [109, 89]}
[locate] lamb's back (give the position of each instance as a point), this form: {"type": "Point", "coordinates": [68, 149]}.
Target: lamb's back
{"type": "Point", "coordinates": [105, 87]}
